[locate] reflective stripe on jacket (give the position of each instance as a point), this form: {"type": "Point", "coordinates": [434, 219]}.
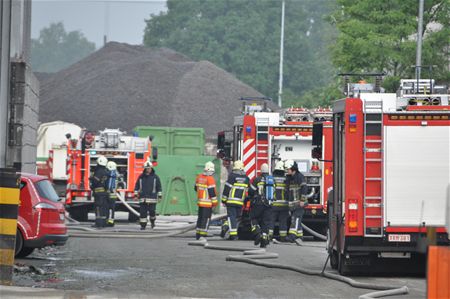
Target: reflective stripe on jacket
{"type": "Point", "coordinates": [280, 199]}
{"type": "Point", "coordinates": [205, 185]}
{"type": "Point", "coordinates": [236, 188]}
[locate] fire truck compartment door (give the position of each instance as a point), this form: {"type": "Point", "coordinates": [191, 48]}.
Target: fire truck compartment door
{"type": "Point", "coordinates": [417, 173]}
{"type": "Point", "coordinates": [59, 164]}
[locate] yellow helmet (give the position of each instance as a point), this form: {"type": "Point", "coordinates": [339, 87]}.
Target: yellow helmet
{"type": "Point", "coordinates": [238, 165]}
{"type": "Point", "coordinates": [279, 165]}
{"type": "Point", "coordinates": [209, 166]}
{"type": "Point", "coordinates": [111, 165]}
{"type": "Point", "coordinates": [102, 161]}
{"type": "Point", "coordinates": [265, 168]}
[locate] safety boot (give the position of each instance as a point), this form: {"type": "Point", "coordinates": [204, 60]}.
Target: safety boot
{"type": "Point", "coordinates": [257, 240]}
{"type": "Point", "coordinates": [143, 226]}
{"type": "Point", "coordinates": [224, 230]}
{"type": "Point", "coordinates": [152, 223]}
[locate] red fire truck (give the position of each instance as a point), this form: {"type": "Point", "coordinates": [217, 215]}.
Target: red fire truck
{"type": "Point", "coordinates": [261, 136]}
{"type": "Point", "coordinates": [129, 153]}
{"type": "Point", "coordinates": [391, 175]}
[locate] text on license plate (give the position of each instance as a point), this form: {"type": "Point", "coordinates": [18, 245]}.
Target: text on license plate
{"type": "Point", "coordinates": [399, 238]}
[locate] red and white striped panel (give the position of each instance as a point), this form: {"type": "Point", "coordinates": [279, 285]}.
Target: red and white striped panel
{"type": "Point", "coordinates": [249, 158]}
{"type": "Point", "coordinates": [69, 178]}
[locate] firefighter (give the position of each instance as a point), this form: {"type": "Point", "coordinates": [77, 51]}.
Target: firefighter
{"type": "Point", "coordinates": [296, 191]}
{"type": "Point", "coordinates": [205, 186]}
{"type": "Point", "coordinates": [148, 190]}
{"type": "Point", "coordinates": [261, 194]}
{"type": "Point", "coordinates": [112, 189]}
{"type": "Point", "coordinates": [99, 183]}
{"type": "Point", "coordinates": [280, 206]}
{"type": "Point", "coordinates": [233, 196]}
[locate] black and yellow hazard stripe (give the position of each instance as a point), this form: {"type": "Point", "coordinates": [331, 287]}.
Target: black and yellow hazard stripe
{"type": "Point", "coordinates": [9, 203]}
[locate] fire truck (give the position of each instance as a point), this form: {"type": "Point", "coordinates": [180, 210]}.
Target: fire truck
{"type": "Point", "coordinates": [262, 136]}
{"type": "Point", "coordinates": [391, 175]}
{"type": "Point", "coordinates": [129, 153]}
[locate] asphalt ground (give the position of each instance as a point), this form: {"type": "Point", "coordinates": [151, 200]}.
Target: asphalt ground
{"type": "Point", "coordinates": [170, 268]}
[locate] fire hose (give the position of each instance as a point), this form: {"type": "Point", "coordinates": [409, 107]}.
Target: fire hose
{"type": "Point", "coordinates": [253, 256]}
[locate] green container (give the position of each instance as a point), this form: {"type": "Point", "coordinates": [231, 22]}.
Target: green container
{"type": "Point", "coordinates": [175, 141]}
{"type": "Point", "coordinates": [177, 174]}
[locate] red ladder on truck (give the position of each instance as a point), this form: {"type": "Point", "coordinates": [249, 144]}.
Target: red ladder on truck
{"type": "Point", "coordinates": [262, 143]}
{"type": "Point", "coordinates": [373, 169]}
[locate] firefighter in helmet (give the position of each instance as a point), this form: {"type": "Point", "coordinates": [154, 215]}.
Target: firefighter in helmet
{"type": "Point", "coordinates": [261, 193]}
{"type": "Point", "coordinates": [296, 191]}
{"type": "Point", "coordinates": [205, 186]}
{"type": "Point", "coordinates": [148, 190]}
{"type": "Point", "coordinates": [280, 206]}
{"type": "Point", "coordinates": [99, 182]}
{"type": "Point", "coordinates": [233, 196]}
{"type": "Point", "coordinates": [112, 189]}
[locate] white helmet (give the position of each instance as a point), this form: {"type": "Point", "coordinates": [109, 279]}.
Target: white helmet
{"type": "Point", "coordinates": [279, 166]}
{"type": "Point", "coordinates": [102, 161]}
{"type": "Point", "coordinates": [238, 165]}
{"type": "Point", "coordinates": [289, 164]}
{"type": "Point", "coordinates": [111, 165]}
{"type": "Point", "coordinates": [148, 164]}
{"type": "Point", "coordinates": [265, 168]}
{"type": "Point", "coordinates": [209, 166]}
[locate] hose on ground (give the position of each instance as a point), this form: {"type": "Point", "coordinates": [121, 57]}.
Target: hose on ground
{"type": "Point", "coordinates": [314, 233]}
{"type": "Point", "coordinates": [130, 208]}
{"type": "Point", "coordinates": [91, 233]}
{"type": "Point", "coordinates": [253, 256]}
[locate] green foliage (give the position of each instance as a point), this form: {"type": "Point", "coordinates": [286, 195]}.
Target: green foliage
{"type": "Point", "coordinates": [56, 49]}
{"type": "Point", "coordinates": [379, 36]}
{"type": "Point", "coordinates": [243, 37]}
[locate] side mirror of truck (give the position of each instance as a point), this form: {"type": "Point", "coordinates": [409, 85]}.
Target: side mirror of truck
{"type": "Point", "coordinates": [316, 153]}
{"type": "Point", "coordinates": [220, 141]}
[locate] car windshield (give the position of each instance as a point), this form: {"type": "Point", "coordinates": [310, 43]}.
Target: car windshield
{"type": "Point", "coordinates": [46, 190]}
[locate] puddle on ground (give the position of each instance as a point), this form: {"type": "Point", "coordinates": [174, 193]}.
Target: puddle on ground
{"type": "Point", "coordinates": [101, 274]}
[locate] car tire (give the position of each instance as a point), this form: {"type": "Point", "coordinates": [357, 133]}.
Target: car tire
{"type": "Point", "coordinates": [26, 251]}
{"type": "Point", "coordinates": [19, 243]}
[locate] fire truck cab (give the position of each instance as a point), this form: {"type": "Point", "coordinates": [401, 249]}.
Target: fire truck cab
{"type": "Point", "coordinates": [128, 152]}
{"type": "Point", "coordinates": [391, 176]}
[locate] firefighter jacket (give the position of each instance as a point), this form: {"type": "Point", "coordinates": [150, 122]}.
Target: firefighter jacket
{"type": "Point", "coordinates": [112, 184]}
{"type": "Point", "coordinates": [148, 186]}
{"type": "Point", "coordinates": [205, 186]}
{"type": "Point", "coordinates": [99, 181]}
{"type": "Point", "coordinates": [235, 189]}
{"type": "Point", "coordinates": [258, 192]}
{"type": "Point", "coordinates": [280, 198]}
{"type": "Point", "coordinates": [296, 187]}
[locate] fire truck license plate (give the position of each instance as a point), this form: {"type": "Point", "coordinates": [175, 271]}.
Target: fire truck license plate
{"type": "Point", "coordinates": [399, 238]}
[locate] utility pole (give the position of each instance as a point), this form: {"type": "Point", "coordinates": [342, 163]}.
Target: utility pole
{"type": "Point", "coordinates": [419, 40]}
{"type": "Point", "coordinates": [280, 83]}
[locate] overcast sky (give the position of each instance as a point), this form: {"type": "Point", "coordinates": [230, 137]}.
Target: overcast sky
{"type": "Point", "coordinates": [125, 23]}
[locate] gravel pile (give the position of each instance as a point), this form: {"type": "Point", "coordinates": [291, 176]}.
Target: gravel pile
{"type": "Point", "coordinates": [123, 86]}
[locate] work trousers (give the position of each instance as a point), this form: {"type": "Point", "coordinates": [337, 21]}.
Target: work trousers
{"type": "Point", "coordinates": [281, 215]}
{"type": "Point", "coordinates": [111, 209]}
{"type": "Point", "coordinates": [101, 208]}
{"type": "Point", "coordinates": [146, 209]}
{"type": "Point", "coordinates": [234, 214]}
{"type": "Point", "coordinates": [261, 218]}
{"type": "Point", "coordinates": [204, 217]}
{"type": "Point", "coordinates": [296, 230]}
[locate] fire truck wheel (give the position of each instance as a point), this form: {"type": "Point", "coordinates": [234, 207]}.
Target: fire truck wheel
{"type": "Point", "coordinates": [334, 260]}
{"type": "Point", "coordinates": [79, 214]}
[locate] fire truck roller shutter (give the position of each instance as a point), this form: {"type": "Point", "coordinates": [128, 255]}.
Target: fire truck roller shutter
{"type": "Point", "coordinates": [417, 170]}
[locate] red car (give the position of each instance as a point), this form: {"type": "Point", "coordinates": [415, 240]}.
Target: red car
{"type": "Point", "coordinates": [41, 220]}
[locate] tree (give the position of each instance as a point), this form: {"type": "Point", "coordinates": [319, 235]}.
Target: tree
{"type": "Point", "coordinates": [56, 49]}
{"type": "Point", "coordinates": [381, 36]}
{"type": "Point", "coordinates": [243, 38]}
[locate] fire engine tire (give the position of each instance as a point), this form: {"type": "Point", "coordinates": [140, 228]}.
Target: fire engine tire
{"type": "Point", "coordinates": [26, 251]}
{"type": "Point", "coordinates": [334, 260]}
{"type": "Point", "coordinates": [19, 242]}
{"type": "Point", "coordinates": [79, 214]}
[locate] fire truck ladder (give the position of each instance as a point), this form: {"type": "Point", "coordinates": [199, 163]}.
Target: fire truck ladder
{"type": "Point", "coordinates": [262, 143]}
{"type": "Point", "coordinates": [373, 169]}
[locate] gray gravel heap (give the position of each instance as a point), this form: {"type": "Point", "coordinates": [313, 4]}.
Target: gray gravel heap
{"type": "Point", "coordinates": [123, 86]}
